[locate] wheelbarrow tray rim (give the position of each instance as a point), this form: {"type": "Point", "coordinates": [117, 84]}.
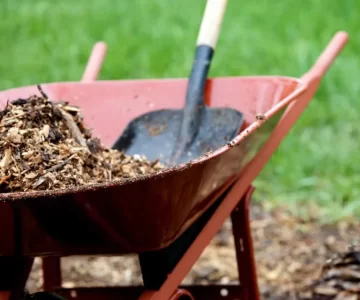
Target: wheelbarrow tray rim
{"type": "Point", "coordinates": [300, 88]}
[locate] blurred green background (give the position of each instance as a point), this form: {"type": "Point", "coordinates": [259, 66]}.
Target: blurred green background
{"type": "Point", "coordinates": [45, 41]}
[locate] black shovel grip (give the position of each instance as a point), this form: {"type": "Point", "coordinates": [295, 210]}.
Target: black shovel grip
{"type": "Point", "coordinates": [197, 78]}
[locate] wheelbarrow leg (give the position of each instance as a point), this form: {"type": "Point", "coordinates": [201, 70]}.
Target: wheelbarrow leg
{"type": "Point", "coordinates": [14, 272]}
{"type": "Point", "coordinates": [240, 218]}
{"type": "Point", "coordinates": [51, 267]}
{"type": "Point", "coordinates": [246, 290]}
{"type": "Point", "coordinates": [157, 265]}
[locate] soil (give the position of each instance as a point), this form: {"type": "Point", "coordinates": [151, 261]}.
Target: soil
{"type": "Point", "coordinates": [291, 254]}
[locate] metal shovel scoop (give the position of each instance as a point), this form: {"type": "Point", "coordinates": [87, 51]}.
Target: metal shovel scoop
{"type": "Point", "coordinates": [177, 136]}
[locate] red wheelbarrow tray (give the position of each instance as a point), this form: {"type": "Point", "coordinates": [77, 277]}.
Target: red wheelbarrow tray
{"type": "Point", "coordinates": [149, 212]}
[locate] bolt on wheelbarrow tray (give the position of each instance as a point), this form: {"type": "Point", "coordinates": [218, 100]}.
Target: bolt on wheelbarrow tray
{"type": "Point", "coordinates": [150, 212]}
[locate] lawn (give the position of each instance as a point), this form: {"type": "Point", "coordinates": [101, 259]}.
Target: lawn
{"type": "Point", "coordinates": [44, 41]}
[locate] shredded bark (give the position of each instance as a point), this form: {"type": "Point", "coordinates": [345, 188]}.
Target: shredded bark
{"type": "Point", "coordinates": [339, 278]}
{"type": "Point", "coordinates": [45, 145]}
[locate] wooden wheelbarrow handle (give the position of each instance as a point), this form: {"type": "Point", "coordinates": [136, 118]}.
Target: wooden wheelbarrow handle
{"type": "Point", "coordinates": [95, 62]}
{"type": "Point", "coordinates": [311, 79]}
{"type": "Point", "coordinates": [326, 58]}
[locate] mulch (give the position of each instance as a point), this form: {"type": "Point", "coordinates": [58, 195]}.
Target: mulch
{"type": "Point", "coordinates": [45, 145]}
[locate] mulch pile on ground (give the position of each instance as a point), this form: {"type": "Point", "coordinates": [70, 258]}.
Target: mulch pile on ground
{"type": "Point", "coordinates": [45, 146]}
{"type": "Point", "coordinates": [339, 279]}
{"type": "Point", "coordinates": [290, 255]}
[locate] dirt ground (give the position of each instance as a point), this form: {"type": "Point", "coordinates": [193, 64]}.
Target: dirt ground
{"type": "Point", "coordinates": [290, 253]}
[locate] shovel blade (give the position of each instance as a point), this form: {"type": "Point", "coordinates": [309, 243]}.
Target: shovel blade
{"type": "Point", "coordinates": [218, 127]}
{"type": "Point", "coordinates": [155, 134]}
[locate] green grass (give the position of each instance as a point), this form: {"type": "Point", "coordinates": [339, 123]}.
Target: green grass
{"type": "Point", "coordinates": [44, 41]}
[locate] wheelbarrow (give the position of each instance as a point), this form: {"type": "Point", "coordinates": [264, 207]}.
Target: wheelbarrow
{"type": "Point", "coordinates": [166, 218]}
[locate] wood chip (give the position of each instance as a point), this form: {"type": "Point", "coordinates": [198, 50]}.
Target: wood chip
{"type": "Point", "coordinates": [74, 129]}
{"type": "Point", "coordinates": [6, 160]}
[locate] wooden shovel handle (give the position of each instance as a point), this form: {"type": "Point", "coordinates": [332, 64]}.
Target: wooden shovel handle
{"type": "Point", "coordinates": [211, 23]}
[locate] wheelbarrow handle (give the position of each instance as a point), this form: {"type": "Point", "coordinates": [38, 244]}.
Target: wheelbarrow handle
{"type": "Point", "coordinates": [326, 58]}
{"type": "Point", "coordinates": [95, 62]}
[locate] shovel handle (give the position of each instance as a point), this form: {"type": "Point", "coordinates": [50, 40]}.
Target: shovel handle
{"type": "Point", "coordinates": [205, 45]}
{"type": "Point", "coordinates": [95, 62]}
{"type": "Point", "coordinates": [326, 58]}
{"type": "Point", "coordinates": [211, 23]}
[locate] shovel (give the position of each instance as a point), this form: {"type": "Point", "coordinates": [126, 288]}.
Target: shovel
{"type": "Point", "coordinates": [177, 136]}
